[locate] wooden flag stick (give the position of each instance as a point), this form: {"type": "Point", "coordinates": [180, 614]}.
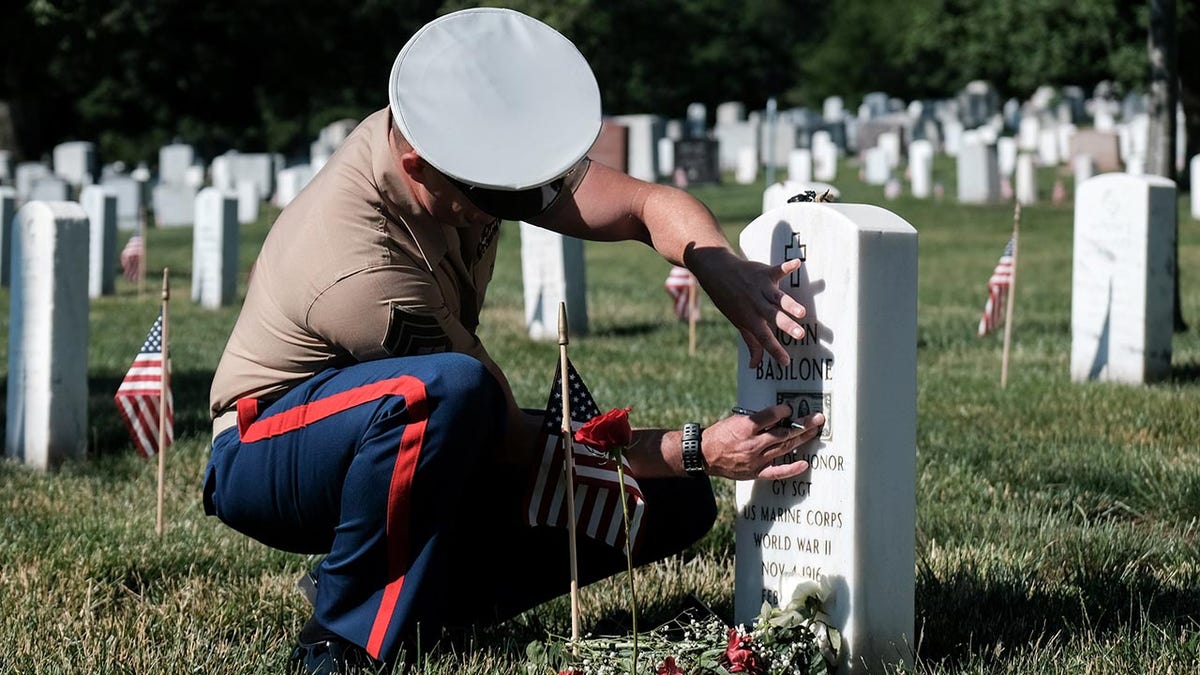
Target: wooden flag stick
{"type": "Point", "coordinates": [1012, 295]}
{"type": "Point", "coordinates": [693, 310]}
{"type": "Point", "coordinates": [163, 398]}
{"type": "Point", "coordinates": [570, 464]}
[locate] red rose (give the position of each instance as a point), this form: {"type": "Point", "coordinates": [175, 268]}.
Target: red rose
{"type": "Point", "coordinates": [608, 432]}
{"type": "Point", "coordinates": [669, 667]}
{"type": "Point", "coordinates": [739, 657]}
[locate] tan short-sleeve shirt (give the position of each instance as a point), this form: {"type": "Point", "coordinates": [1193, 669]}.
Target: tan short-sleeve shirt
{"type": "Point", "coordinates": [354, 270]}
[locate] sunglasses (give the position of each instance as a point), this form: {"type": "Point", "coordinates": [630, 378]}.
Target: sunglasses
{"type": "Point", "coordinates": [514, 204]}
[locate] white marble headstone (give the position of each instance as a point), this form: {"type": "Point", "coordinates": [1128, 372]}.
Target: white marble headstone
{"type": "Point", "coordinates": [100, 205]}
{"type": "Point", "coordinates": [978, 173]}
{"type": "Point", "coordinates": [731, 138]}
{"type": "Point", "coordinates": [832, 109]}
{"type": "Point", "coordinates": [877, 170]}
{"type": "Point", "coordinates": [214, 249]}
{"type": "Point", "coordinates": [849, 521]}
{"type": "Point", "coordinates": [1083, 167]}
{"type": "Point", "coordinates": [173, 163]}
{"type": "Point", "coordinates": [800, 165]}
{"type": "Point", "coordinates": [26, 174]}
{"type": "Point", "coordinates": [1026, 179]}
{"type": "Point", "coordinates": [1028, 133]}
{"type": "Point", "coordinates": [174, 204]}
{"type": "Point", "coordinates": [552, 271]}
{"type": "Point", "coordinates": [1194, 169]}
{"type": "Point", "coordinates": [642, 147]}
{"type": "Point", "coordinates": [8, 211]}
{"type": "Point", "coordinates": [289, 183]}
{"type": "Point", "coordinates": [1006, 155]}
{"type": "Point", "coordinates": [730, 111]}
{"type": "Point", "coordinates": [48, 335]}
{"type": "Point", "coordinates": [129, 200]}
{"type": "Point", "coordinates": [746, 171]}
{"type": "Point", "coordinates": [953, 141]}
{"type": "Point", "coordinates": [248, 201]}
{"type": "Point", "coordinates": [1123, 276]}
{"type": "Point", "coordinates": [824, 156]}
{"type": "Point", "coordinates": [920, 168]}
{"type": "Point", "coordinates": [1047, 150]}
{"type": "Point", "coordinates": [49, 189]}
{"type": "Point", "coordinates": [75, 162]}
{"type": "Point", "coordinates": [666, 156]}
{"type": "Point", "coordinates": [889, 142]}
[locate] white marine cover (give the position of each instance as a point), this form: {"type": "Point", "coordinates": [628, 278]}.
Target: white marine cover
{"type": "Point", "coordinates": [495, 98]}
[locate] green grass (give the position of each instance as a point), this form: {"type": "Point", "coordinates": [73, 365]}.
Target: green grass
{"type": "Point", "coordinates": [1058, 523]}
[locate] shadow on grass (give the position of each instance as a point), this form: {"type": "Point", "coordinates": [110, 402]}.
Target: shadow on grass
{"type": "Point", "coordinates": [189, 390]}
{"type": "Point", "coordinates": [1185, 372]}
{"type": "Point", "coordinates": [964, 615]}
{"type": "Point", "coordinates": [629, 330]}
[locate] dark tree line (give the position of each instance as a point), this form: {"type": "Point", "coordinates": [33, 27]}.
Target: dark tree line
{"type": "Point", "coordinates": [267, 74]}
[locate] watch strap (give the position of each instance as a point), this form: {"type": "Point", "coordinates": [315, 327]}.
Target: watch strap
{"type": "Point", "coordinates": [693, 459]}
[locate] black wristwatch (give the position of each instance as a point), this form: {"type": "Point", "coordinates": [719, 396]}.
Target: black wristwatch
{"type": "Point", "coordinates": [693, 459]}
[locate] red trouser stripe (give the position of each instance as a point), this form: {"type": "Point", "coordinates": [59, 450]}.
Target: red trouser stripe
{"type": "Point", "coordinates": [303, 415]}
{"type": "Point", "coordinates": [400, 488]}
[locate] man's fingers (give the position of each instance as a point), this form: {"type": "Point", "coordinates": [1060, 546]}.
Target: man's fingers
{"type": "Point", "coordinates": [785, 268]}
{"type": "Point", "coordinates": [783, 470]}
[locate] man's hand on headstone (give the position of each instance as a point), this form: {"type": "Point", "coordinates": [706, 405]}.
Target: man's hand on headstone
{"type": "Point", "coordinates": [748, 294]}
{"type": "Point", "coordinates": [746, 447]}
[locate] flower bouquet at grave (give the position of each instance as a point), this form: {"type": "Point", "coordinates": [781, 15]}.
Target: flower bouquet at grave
{"type": "Point", "coordinates": [793, 639]}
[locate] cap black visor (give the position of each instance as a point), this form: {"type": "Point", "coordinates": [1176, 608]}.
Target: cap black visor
{"type": "Point", "coordinates": [512, 204]}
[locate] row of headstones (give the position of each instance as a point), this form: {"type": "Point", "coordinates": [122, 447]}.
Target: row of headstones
{"type": "Point", "coordinates": [48, 313]}
{"type": "Point", "coordinates": [652, 148]}
{"type": "Point", "coordinates": [252, 177]}
{"type": "Point", "coordinates": [214, 246]}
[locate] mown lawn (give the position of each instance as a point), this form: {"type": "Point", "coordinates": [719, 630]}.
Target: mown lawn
{"type": "Point", "coordinates": [1058, 523]}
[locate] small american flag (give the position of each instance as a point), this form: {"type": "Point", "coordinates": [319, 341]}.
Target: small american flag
{"type": "Point", "coordinates": [998, 286]}
{"type": "Point", "coordinates": [679, 286]}
{"type": "Point", "coordinates": [138, 396]}
{"type": "Point", "coordinates": [597, 502]}
{"type": "Point", "coordinates": [133, 256]}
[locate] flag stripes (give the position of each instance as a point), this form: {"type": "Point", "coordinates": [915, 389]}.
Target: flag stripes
{"type": "Point", "coordinates": [133, 256]}
{"type": "Point", "coordinates": [679, 285]}
{"type": "Point", "coordinates": [597, 502]}
{"type": "Point", "coordinates": [137, 397]}
{"type": "Point", "coordinates": [998, 286]}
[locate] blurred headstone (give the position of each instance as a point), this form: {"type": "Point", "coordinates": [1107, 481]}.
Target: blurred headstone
{"type": "Point", "coordinates": [920, 168]}
{"type": "Point", "coordinates": [611, 146]}
{"type": "Point", "coordinates": [697, 158]}
{"type": "Point", "coordinates": [8, 211]}
{"type": "Point", "coordinates": [642, 144]}
{"type": "Point", "coordinates": [1026, 179]}
{"type": "Point", "coordinates": [552, 271]}
{"type": "Point", "coordinates": [978, 172]}
{"type": "Point", "coordinates": [215, 249]}
{"type": "Point", "coordinates": [46, 419]}
{"type": "Point", "coordinates": [100, 205]}
{"type": "Point", "coordinates": [75, 162]}
{"type": "Point", "coordinates": [1123, 279]}
{"type": "Point", "coordinates": [1101, 146]}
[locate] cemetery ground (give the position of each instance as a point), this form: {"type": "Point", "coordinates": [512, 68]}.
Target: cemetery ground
{"type": "Point", "coordinates": [1058, 525]}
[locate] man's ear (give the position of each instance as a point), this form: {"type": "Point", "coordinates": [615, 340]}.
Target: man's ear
{"type": "Point", "coordinates": [414, 165]}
